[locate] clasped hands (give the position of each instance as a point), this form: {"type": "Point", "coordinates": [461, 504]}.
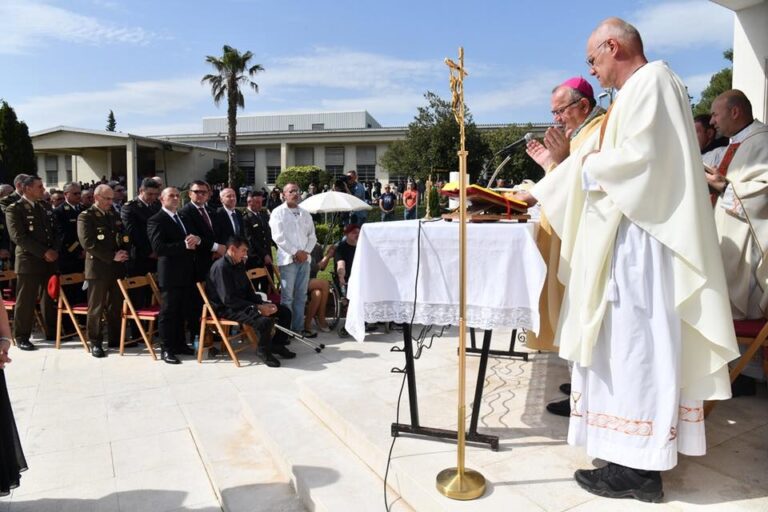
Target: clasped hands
{"type": "Point", "coordinates": [192, 241]}
{"type": "Point", "coordinates": [555, 149]}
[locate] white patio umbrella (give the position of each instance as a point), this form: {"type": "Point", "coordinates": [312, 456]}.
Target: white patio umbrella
{"type": "Point", "coordinates": [329, 202]}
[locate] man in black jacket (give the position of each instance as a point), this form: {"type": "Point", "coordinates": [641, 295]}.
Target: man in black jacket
{"type": "Point", "coordinates": [256, 230]}
{"type": "Point", "coordinates": [135, 215]}
{"type": "Point", "coordinates": [174, 245]}
{"type": "Point", "coordinates": [227, 221]}
{"type": "Point", "coordinates": [233, 298]}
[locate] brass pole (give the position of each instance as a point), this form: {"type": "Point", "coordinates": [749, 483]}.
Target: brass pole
{"type": "Point", "coordinates": [460, 483]}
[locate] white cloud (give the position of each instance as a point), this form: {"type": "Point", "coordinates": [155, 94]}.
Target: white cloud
{"type": "Point", "coordinates": [684, 24]}
{"type": "Point", "coordinates": [147, 99]}
{"type": "Point", "coordinates": [697, 83]}
{"type": "Point", "coordinates": [25, 25]}
{"type": "Point", "coordinates": [347, 69]}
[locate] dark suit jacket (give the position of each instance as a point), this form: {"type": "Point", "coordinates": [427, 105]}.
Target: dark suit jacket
{"type": "Point", "coordinates": [259, 235]}
{"type": "Point", "coordinates": [135, 215]}
{"type": "Point", "coordinates": [228, 287]}
{"type": "Point", "coordinates": [175, 263]}
{"type": "Point", "coordinates": [196, 225]}
{"type": "Point", "coordinates": [222, 225]}
{"type": "Point", "coordinates": [70, 250]}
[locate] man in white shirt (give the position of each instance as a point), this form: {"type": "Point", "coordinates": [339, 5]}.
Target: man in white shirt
{"type": "Point", "coordinates": [294, 234]}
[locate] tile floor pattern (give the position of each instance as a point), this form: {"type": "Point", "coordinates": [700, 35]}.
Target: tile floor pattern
{"type": "Point", "coordinates": [117, 434]}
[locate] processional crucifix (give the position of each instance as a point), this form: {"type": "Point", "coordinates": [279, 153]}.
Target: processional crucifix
{"type": "Point", "coordinates": [461, 483]}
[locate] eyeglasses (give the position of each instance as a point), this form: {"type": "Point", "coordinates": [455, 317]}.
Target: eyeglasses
{"type": "Point", "coordinates": [592, 56]}
{"type": "Point", "coordinates": [560, 111]}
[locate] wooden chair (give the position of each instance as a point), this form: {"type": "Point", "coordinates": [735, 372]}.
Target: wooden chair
{"type": "Point", "coordinates": [754, 334]}
{"type": "Point", "coordinates": [138, 315]}
{"type": "Point", "coordinates": [209, 319]}
{"type": "Point", "coordinates": [6, 288]}
{"type": "Point", "coordinates": [259, 273]}
{"type": "Point", "coordinates": [73, 310]}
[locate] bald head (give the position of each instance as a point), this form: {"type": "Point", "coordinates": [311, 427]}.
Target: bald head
{"type": "Point", "coordinates": [731, 112]}
{"type": "Point", "coordinates": [614, 52]}
{"type": "Point", "coordinates": [169, 198]}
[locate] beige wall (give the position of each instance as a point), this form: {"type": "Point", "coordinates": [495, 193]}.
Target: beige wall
{"type": "Point", "coordinates": [750, 57]}
{"type": "Point", "coordinates": [91, 164]}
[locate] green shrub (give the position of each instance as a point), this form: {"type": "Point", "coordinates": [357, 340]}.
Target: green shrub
{"type": "Point", "coordinates": [321, 230]}
{"type": "Point", "coordinates": [304, 175]}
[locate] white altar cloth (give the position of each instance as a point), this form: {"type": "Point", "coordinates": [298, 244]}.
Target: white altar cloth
{"type": "Point", "coordinates": [505, 275]}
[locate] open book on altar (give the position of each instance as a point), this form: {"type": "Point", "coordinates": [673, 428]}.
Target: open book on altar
{"type": "Point", "coordinates": [485, 198]}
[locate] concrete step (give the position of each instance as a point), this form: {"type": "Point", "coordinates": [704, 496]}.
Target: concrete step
{"type": "Point", "coordinates": [243, 474]}
{"type": "Point", "coordinates": [363, 419]}
{"type": "Point", "coordinates": [326, 474]}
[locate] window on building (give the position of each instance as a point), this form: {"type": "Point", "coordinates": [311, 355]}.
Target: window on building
{"type": "Point", "coordinates": [334, 161]}
{"type": "Point", "coordinates": [290, 127]}
{"type": "Point", "coordinates": [246, 158]}
{"type": "Point", "coordinates": [318, 126]}
{"type": "Point", "coordinates": [304, 156]}
{"type": "Point", "coordinates": [273, 164]}
{"type": "Point", "coordinates": [366, 163]}
{"type": "Point", "coordinates": [51, 171]}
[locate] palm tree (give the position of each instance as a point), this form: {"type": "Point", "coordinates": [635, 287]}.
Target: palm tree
{"type": "Point", "coordinates": [233, 73]}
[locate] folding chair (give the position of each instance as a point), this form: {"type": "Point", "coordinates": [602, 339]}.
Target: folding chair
{"type": "Point", "coordinates": [208, 318]}
{"type": "Point", "coordinates": [753, 333]}
{"type": "Point", "coordinates": [72, 310]}
{"type": "Point", "coordinates": [7, 277]}
{"type": "Point", "coordinates": [130, 312]}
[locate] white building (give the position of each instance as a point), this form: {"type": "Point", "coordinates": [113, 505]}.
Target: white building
{"type": "Point", "coordinates": [75, 154]}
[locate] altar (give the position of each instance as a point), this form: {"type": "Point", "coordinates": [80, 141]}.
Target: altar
{"type": "Point", "coordinates": [407, 272]}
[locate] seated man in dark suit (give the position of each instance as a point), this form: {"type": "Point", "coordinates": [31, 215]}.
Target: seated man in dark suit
{"type": "Point", "coordinates": [232, 296]}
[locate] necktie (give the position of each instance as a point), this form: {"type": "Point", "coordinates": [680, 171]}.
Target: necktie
{"type": "Point", "coordinates": [178, 221]}
{"type": "Point", "coordinates": [235, 223]}
{"type": "Point", "coordinates": [205, 216]}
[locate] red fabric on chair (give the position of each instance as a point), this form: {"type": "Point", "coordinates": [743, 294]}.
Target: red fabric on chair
{"type": "Point", "coordinates": [748, 328]}
{"type": "Point", "coordinates": [149, 311]}
{"type": "Point", "coordinates": [53, 287]}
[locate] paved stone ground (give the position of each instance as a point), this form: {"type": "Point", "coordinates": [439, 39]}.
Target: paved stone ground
{"type": "Point", "coordinates": [130, 434]}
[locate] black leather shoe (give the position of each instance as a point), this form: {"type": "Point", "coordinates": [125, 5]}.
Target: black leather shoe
{"type": "Point", "coordinates": [269, 359]}
{"type": "Point", "coordinates": [561, 408]}
{"type": "Point", "coordinates": [186, 350]}
{"type": "Point", "coordinates": [170, 358]}
{"type": "Point", "coordinates": [565, 388]}
{"type": "Point", "coordinates": [283, 352]}
{"type": "Point", "coordinates": [97, 351]}
{"type": "Point", "coordinates": [616, 481]}
{"type": "Point", "coordinates": [26, 345]}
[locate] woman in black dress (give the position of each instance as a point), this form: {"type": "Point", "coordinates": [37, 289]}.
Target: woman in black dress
{"type": "Point", "coordinates": [12, 460]}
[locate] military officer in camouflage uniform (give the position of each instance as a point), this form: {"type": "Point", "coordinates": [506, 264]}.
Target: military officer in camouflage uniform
{"type": "Point", "coordinates": [31, 228]}
{"type": "Point", "coordinates": [99, 230]}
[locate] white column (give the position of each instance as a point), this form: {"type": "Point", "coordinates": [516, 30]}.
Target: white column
{"type": "Point", "coordinates": [61, 173]}
{"type": "Point", "coordinates": [40, 167]}
{"type": "Point", "coordinates": [750, 57]}
{"type": "Point", "coordinates": [283, 156]}
{"type": "Point", "coordinates": [131, 168]}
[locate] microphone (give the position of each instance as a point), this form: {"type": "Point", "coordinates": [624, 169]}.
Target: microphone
{"type": "Point", "coordinates": [510, 148]}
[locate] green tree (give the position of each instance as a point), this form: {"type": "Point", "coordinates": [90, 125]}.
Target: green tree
{"type": "Point", "coordinates": [111, 123]}
{"type": "Point", "coordinates": [432, 143]}
{"type": "Point", "coordinates": [303, 175]}
{"type": "Point", "coordinates": [16, 152]}
{"type": "Point", "coordinates": [222, 174]}
{"type": "Point", "coordinates": [520, 166]}
{"type": "Point", "coordinates": [233, 73]}
{"type": "Point", "coordinates": [719, 83]}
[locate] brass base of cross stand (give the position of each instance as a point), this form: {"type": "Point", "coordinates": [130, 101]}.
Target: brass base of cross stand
{"type": "Point", "coordinates": [469, 486]}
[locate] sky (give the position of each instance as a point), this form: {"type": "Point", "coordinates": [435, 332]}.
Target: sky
{"type": "Point", "coordinates": [70, 62]}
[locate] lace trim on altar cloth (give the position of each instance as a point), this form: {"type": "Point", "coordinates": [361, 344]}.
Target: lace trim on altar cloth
{"type": "Point", "coordinates": [479, 317]}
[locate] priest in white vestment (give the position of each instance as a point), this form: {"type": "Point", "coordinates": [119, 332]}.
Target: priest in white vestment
{"type": "Point", "coordinates": [741, 210]}
{"type": "Point", "coordinates": [646, 318]}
